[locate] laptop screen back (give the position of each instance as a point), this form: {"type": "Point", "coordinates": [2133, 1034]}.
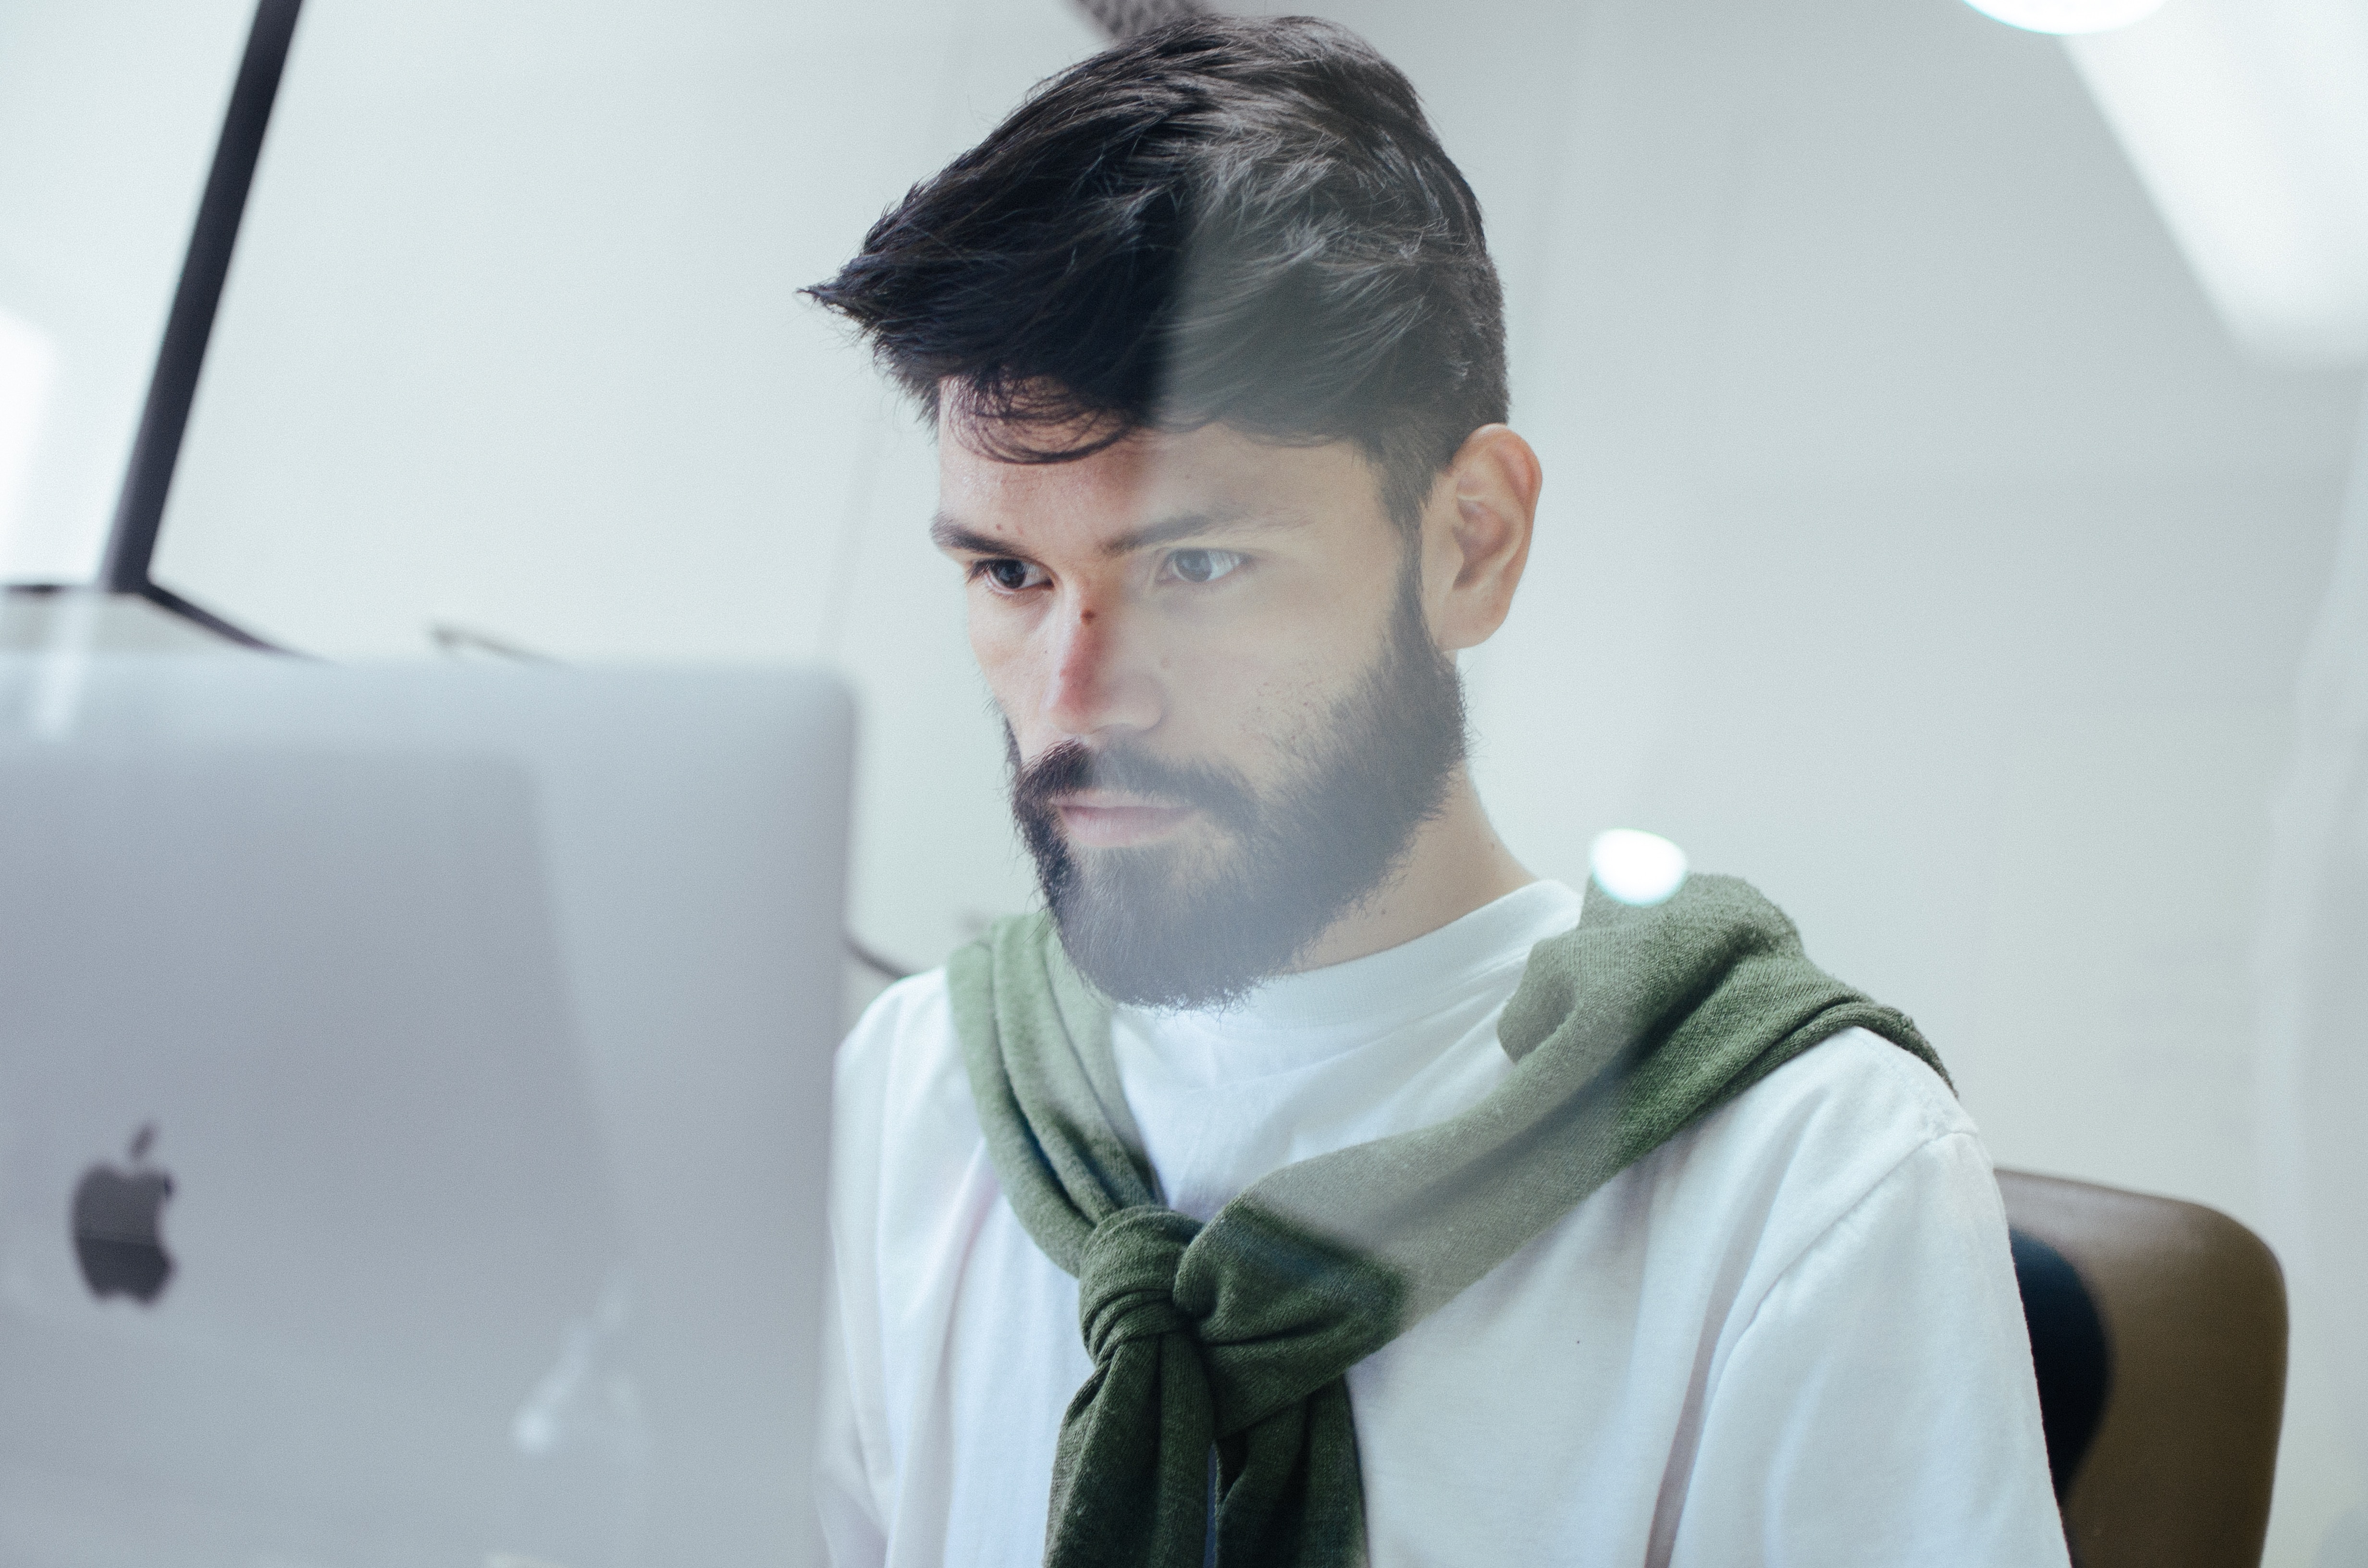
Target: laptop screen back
{"type": "Point", "coordinates": [412, 1098]}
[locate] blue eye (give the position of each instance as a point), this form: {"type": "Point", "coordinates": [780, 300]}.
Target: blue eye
{"type": "Point", "coordinates": [1203, 565]}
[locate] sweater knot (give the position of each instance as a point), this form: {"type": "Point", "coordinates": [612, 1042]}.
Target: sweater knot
{"type": "Point", "coordinates": [1126, 1280]}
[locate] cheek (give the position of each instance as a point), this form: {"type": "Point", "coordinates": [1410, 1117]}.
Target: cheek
{"type": "Point", "coordinates": [1260, 705]}
{"type": "Point", "coordinates": [994, 643]}
{"type": "Point", "coordinates": [1006, 653]}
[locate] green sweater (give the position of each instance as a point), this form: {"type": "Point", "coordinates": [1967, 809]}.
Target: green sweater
{"type": "Point", "coordinates": [1218, 1351]}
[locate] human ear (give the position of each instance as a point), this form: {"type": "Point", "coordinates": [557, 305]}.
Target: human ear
{"type": "Point", "coordinates": [1476, 535]}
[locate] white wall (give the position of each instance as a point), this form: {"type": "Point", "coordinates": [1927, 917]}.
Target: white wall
{"type": "Point", "coordinates": [1915, 542]}
{"type": "Point", "coordinates": [108, 111]}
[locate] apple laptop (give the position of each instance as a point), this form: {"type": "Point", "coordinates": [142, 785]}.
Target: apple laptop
{"type": "Point", "coordinates": [414, 1091]}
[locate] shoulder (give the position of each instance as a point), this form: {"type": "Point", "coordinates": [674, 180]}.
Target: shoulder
{"type": "Point", "coordinates": [1873, 1307]}
{"type": "Point", "coordinates": [909, 1026]}
{"type": "Point", "coordinates": [902, 1098]}
{"type": "Point", "coordinates": [1791, 1157]}
{"type": "Point", "coordinates": [1856, 1097]}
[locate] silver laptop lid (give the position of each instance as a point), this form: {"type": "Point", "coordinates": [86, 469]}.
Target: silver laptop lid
{"type": "Point", "coordinates": [412, 1099]}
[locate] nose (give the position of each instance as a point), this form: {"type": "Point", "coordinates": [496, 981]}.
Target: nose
{"type": "Point", "coordinates": [1096, 680]}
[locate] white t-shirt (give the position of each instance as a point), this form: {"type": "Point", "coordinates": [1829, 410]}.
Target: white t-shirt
{"type": "Point", "coordinates": [1790, 1335]}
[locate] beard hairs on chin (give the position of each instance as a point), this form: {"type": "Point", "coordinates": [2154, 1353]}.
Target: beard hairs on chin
{"type": "Point", "coordinates": [1159, 926]}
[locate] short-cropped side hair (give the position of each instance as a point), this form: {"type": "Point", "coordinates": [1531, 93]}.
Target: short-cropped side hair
{"type": "Point", "coordinates": [1225, 220]}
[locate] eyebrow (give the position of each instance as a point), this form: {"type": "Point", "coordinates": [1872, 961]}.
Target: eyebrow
{"type": "Point", "coordinates": [947, 533]}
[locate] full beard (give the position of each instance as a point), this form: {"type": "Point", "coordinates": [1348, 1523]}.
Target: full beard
{"type": "Point", "coordinates": [1163, 926]}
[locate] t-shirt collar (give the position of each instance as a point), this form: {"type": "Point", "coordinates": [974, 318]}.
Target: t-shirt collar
{"type": "Point", "coordinates": [1398, 985]}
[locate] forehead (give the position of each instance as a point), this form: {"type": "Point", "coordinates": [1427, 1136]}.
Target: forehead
{"type": "Point", "coordinates": [1150, 477]}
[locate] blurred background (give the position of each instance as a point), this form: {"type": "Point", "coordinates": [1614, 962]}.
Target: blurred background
{"type": "Point", "coordinates": [1955, 517]}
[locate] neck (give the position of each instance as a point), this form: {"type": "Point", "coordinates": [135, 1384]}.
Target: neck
{"type": "Point", "coordinates": [1455, 864]}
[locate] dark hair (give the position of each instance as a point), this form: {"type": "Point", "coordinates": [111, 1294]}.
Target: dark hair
{"type": "Point", "coordinates": [1224, 220]}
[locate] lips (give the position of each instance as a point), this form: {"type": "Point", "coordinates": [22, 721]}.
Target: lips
{"type": "Point", "coordinates": [1104, 825]}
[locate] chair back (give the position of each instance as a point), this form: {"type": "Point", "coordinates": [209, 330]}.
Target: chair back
{"type": "Point", "coordinates": [2158, 1334]}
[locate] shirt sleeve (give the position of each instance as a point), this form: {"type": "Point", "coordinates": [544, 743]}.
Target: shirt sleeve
{"type": "Point", "coordinates": [851, 1524]}
{"type": "Point", "coordinates": [851, 1455]}
{"type": "Point", "coordinates": [1879, 1406]}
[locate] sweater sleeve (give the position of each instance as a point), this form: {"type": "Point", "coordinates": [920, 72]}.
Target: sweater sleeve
{"type": "Point", "coordinates": [1879, 1406]}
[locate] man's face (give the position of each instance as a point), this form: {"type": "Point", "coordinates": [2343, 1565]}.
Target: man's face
{"type": "Point", "coordinates": [1225, 715]}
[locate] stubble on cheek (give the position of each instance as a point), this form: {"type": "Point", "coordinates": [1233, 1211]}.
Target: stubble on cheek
{"type": "Point", "coordinates": [1309, 796]}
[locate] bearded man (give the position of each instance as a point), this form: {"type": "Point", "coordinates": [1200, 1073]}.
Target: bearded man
{"type": "Point", "coordinates": [1309, 1184]}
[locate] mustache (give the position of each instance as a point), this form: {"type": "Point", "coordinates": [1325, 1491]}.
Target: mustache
{"type": "Point", "coordinates": [1071, 766]}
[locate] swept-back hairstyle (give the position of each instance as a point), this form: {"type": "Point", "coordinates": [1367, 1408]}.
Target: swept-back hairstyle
{"type": "Point", "coordinates": [1225, 220]}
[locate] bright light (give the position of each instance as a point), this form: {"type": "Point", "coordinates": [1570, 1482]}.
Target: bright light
{"type": "Point", "coordinates": [2067, 16]}
{"type": "Point", "coordinates": [2248, 123]}
{"type": "Point", "coordinates": [1636, 867]}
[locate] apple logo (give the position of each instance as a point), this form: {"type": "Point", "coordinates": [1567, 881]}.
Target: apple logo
{"type": "Point", "coordinates": [115, 1215]}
